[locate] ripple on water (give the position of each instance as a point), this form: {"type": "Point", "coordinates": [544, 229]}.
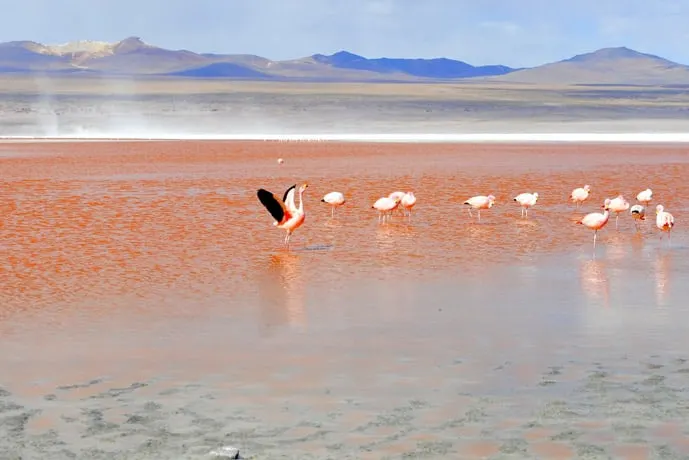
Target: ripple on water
{"type": "Point", "coordinates": [155, 262]}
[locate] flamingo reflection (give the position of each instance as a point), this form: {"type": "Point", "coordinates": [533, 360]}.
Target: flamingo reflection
{"type": "Point", "coordinates": [594, 282]}
{"type": "Point", "coordinates": [661, 267]}
{"type": "Point", "coordinates": [616, 247]}
{"type": "Point", "coordinates": [282, 292]}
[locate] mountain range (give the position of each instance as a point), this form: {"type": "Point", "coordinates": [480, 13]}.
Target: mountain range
{"type": "Point", "coordinates": [134, 57]}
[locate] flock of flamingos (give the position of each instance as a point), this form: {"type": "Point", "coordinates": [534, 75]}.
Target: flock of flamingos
{"type": "Point", "coordinates": [289, 217]}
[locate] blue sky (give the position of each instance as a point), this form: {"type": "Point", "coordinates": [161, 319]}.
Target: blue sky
{"type": "Point", "coordinates": [511, 32]}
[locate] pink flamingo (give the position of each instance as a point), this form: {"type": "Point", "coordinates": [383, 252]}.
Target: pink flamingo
{"type": "Point", "coordinates": [664, 221]}
{"type": "Point", "coordinates": [581, 194]}
{"type": "Point", "coordinates": [638, 212]}
{"type": "Point", "coordinates": [618, 205]}
{"type": "Point", "coordinates": [408, 201]}
{"type": "Point", "coordinates": [644, 197]}
{"type": "Point", "coordinates": [334, 199]}
{"type": "Point", "coordinates": [526, 200]}
{"type": "Point", "coordinates": [287, 216]}
{"type": "Point", "coordinates": [479, 202]}
{"type": "Point", "coordinates": [398, 195]}
{"type": "Point", "coordinates": [385, 206]}
{"type": "Point", "coordinates": [596, 220]}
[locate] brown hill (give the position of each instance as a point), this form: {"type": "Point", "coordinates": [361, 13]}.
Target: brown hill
{"type": "Point", "coordinates": [605, 66]}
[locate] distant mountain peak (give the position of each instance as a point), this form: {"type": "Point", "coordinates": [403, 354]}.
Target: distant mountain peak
{"type": "Point", "coordinates": [340, 57]}
{"type": "Point", "coordinates": [343, 54]}
{"type": "Point", "coordinates": [83, 47]}
{"type": "Point", "coordinates": [612, 53]}
{"type": "Point", "coordinates": [129, 45]}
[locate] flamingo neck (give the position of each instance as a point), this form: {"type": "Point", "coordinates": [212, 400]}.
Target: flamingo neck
{"type": "Point", "coordinates": [301, 201]}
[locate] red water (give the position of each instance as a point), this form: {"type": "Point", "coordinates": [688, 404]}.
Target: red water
{"type": "Point", "coordinates": [139, 259]}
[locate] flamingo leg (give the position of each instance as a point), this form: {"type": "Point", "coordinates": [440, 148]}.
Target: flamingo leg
{"type": "Point", "coordinates": [471, 216]}
{"type": "Point", "coordinates": [617, 216]}
{"type": "Point", "coordinates": [595, 234]}
{"type": "Point", "coordinates": [479, 215]}
{"type": "Point", "coordinates": [332, 212]}
{"type": "Point", "coordinates": [526, 212]}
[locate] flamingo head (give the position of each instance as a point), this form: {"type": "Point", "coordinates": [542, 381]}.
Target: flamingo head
{"type": "Point", "coordinates": [491, 200]}
{"type": "Point", "coordinates": [606, 204]}
{"type": "Point", "coordinates": [303, 187]}
{"type": "Point", "coordinates": [587, 188]}
{"type": "Point", "coordinates": [659, 209]}
{"type": "Point", "coordinates": [535, 195]}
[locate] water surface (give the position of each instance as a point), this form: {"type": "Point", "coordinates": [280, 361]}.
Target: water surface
{"type": "Point", "coordinates": [148, 306]}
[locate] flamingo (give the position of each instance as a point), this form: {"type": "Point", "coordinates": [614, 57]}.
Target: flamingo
{"type": "Point", "coordinates": [581, 194]}
{"type": "Point", "coordinates": [618, 205]}
{"type": "Point", "coordinates": [385, 206]}
{"type": "Point", "coordinates": [334, 199]}
{"type": "Point", "coordinates": [287, 216]}
{"type": "Point", "coordinates": [664, 221]}
{"type": "Point", "coordinates": [280, 161]}
{"type": "Point", "coordinates": [638, 212]}
{"type": "Point", "coordinates": [408, 202]}
{"type": "Point", "coordinates": [399, 195]}
{"type": "Point", "coordinates": [596, 220]}
{"type": "Point", "coordinates": [480, 202]}
{"type": "Point", "coordinates": [526, 200]}
{"type": "Point", "coordinates": [644, 197]}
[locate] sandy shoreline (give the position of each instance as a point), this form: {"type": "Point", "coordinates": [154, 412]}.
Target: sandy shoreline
{"type": "Point", "coordinates": [147, 309]}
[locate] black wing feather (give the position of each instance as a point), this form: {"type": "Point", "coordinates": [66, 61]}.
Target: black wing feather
{"type": "Point", "coordinates": [274, 207]}
{"type": "Point", "coordinates": [284, 197]}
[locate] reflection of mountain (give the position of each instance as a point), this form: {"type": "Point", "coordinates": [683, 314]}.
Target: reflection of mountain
{"type": "Point", "coordinates": [594, 282]}
{"type": "Point", "coordinates": [281, 289]}
{"type": "Point", "coordinates": [661, 268]}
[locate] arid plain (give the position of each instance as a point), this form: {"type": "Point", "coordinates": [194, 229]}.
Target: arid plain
{"type": "Point", "coordinates": [149, 107]}
{"type": "Point", "coordinates": [149, 310]}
